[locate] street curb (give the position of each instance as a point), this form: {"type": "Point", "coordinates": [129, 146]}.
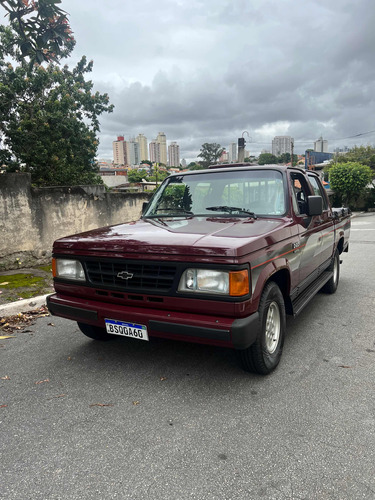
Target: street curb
{"type": "Point", "coordinates": [24, 305]}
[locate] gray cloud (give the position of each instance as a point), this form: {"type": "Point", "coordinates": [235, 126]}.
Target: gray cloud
{"type": "Point", "coordinates": [206, 70]}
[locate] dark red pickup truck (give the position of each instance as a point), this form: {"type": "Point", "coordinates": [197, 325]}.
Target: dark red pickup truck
{"type": "Point", "coordinates": [219, 256]}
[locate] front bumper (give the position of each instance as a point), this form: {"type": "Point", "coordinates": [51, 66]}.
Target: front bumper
{"type": "Point", "coordinates": [238, 333]}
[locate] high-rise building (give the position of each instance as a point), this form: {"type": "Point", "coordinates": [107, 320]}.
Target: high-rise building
{"type": "Point", "coordinates": [162, 140]}
{"type": "Point", "coordinates": [174, 154]}
{"type": "Point", "coordinates": [132, 150]}
{"type": "Point", "coordinates": [281, 144]}
{"type": "Point", "coordinates": [143, 151]}
{"type": "Point", "coordinates": [321, 146]}
{"type": "Point", "coordinates": [232, 152]}
{"type": "Point", "coordinates": [154, 148]}
{"type": "Point", "coordinates": [119, 151]}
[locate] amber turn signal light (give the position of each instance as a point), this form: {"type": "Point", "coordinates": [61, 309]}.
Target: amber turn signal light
{"type": "Point", "coordinates": [238, 283]}
{"type": "Point", "coordinates": [54, 271]}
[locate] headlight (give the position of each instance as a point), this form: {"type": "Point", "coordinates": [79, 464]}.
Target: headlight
{"type": "Point", "coordinates": [232, 283]}
{"type": "Point", "coordinates": [68, 269]}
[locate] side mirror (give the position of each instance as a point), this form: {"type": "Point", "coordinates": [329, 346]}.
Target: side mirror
{"type": "Point", "coordinates": [144, 206]}
{"type": "Point", "coordinates": [314, 205]}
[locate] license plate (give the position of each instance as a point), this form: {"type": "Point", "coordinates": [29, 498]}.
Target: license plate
{"type": "Point", "coordinates": [124, 329]}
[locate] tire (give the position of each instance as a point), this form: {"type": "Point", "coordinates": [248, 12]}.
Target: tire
{"type": "Point", "coordinates": [332, 284]}
{"type": "Point", "coordinates": [94, 332]}
{"type": "Point", "coordinates": [264, 355]}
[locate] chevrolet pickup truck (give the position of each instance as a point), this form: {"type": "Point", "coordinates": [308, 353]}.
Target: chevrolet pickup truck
{"type": "Point", "coordinates": [219, 256]}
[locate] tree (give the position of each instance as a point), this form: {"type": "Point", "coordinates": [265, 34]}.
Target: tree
{"type": "Point", "coordinates": [157, 174]}
{"type": "Point", "coordinates": [38, 31]}
{"type": "Point", "coordinates": [267, 159]}
{"type": "Point", "coordinates": [148, 162]}
{"type": "Point", "coordinates": [48, 115]}
{"type": "Point", "coordinates": [210, 153]}
{"type": "Point", "coordinates": [349, 180]}
{"type": "Point", "coordinates": [285, 158]}
{"type": "Point", "coordinates": [360, 154]}
{"type": "Point", "coordinates": [137, 175]}
{"type": "Point", "coordinates": [195, 166]}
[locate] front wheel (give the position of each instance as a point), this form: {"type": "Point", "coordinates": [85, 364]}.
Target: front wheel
{"type": "Point", "coordinates": [264, 355]}
{"type": "Point", "coordinates": [94, 332]}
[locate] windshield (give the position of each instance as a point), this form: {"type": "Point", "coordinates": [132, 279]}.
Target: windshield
{"type": "Point", "coordinates": [245, 193]}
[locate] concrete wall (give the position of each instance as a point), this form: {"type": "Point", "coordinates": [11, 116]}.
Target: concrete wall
{"type": "Point", "coordinates": [114, 180]}
{"type": "Point", "coordinates": [32, 218]}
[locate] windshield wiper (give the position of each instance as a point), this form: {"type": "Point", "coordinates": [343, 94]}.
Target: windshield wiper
{"type": "Point", "coordinates": [225, 208]}
{"type": "Point", "coordinates": [180, 212]}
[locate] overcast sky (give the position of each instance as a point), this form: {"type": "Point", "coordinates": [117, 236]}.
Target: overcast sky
{"type": "Point", "coordinates": [208, 70]}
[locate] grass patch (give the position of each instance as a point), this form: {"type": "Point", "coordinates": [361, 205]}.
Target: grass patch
{"type": "Point", "coordinates": [47, 269]}
{"type": "Point", "coordinates": [19, 281]}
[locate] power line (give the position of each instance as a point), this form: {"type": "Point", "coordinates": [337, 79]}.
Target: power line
{"type": "Point", "coordinates": [313, 140]}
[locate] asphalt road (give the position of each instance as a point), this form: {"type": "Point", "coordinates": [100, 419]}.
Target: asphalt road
{"type": "Point", "coordinates": [167, 420]}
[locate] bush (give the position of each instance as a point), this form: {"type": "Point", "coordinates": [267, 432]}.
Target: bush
{"type": "Point", "coordinates": [350, 181]}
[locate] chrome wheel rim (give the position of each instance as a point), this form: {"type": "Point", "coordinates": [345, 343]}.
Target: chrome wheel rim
{"type": "Point", "coordinates": [273, 327]}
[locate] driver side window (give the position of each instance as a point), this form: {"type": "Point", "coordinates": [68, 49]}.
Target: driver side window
{"type": "Point", "coordinates": [300, 193]}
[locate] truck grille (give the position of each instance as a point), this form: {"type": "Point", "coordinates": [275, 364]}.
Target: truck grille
{"type": "Point", "coordinates": [137, 276]}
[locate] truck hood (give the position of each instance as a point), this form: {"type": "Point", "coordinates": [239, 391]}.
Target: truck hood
{"type": "Point", "coordinates": [209, 236]}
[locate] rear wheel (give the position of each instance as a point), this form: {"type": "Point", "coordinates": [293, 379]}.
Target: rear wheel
{"type": "Point", "coordinates": [94, 332]}
{"type": "Point", "coordinates": [332, 284]}
{"type": "Point", "coordinates": [264, 355]}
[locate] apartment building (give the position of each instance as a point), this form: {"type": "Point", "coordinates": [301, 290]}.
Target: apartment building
{"type": "Point", "coordinates": [143, 149]}
{"type": "Point", "coordinates": [281, 144]}
{"type": "Point", "coordinates": [162, 140]}
{"type": "Point", "coordinates": [321, 146]}
{"type": "Point", "coordinates": [174, 154]}
{"type": "Point", "coordinates": [119, 151]}
{"type": "Point", "coordinates": [232, 152]}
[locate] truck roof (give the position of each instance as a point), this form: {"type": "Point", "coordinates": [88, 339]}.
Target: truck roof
{"type": "Point", "coordinates": [237, 167]}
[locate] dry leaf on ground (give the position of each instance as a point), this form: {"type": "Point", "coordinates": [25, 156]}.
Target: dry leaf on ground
{"type": "Point", "coordinates": [42, 381]}
{"type": "Point", "coordinates": [58, 396]}
{"type": "Point", "coordinates": [101, 404]}
{"type": "Point", "coordinates": [22, 320]}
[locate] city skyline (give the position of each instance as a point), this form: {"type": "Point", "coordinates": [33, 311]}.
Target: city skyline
{"type": "Point", "coordinates": [134, 150]}
{"type": "Point", "coordinates": [278, 146]}
{"type": "Point", "coordinates": [209, 73]}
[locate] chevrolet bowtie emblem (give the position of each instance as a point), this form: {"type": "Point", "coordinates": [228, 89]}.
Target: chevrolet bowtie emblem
{"type": "Point", "coordinates": [124, 275]}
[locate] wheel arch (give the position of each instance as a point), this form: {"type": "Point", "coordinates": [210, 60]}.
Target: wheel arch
{"type": "Point", "coordinates": [282, 280]}
{"type": "Point", "coordinates": [279, 275]}
{"type": "Point", "coordinates": [340, 245]}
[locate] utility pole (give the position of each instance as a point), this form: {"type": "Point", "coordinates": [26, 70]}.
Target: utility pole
{"type": "Point", "coordinates": [241, 149]}
{"type": "Point", "coordinates": [292, 151]}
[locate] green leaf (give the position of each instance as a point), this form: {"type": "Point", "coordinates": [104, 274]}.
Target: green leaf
{"type": "Point", "coordinates": [26, 48]}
